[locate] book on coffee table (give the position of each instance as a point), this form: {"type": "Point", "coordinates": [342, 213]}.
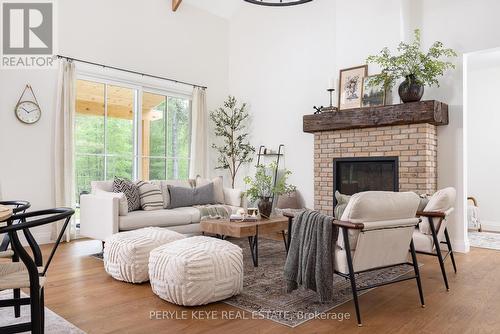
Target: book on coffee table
{"type": "Point", "coordinates": [240, 218]}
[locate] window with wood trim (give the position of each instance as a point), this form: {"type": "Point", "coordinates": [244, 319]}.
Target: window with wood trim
{"type": "Point", "coordinates": [130, 132]}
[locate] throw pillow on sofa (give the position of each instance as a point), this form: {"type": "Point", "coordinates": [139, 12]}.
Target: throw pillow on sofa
{"type": "Point", "coordinates": [150, 196]}
{"type": "Point", "coordinates": [131, 192]}
{"type": "Point", "coordinates": [232, 197]}
{"type": "Point", "coordinates": [218, 187]}
{"type": "Point", "coordinates": [183, 197]}
{"type": "Point", "coordinates": [163, 184]}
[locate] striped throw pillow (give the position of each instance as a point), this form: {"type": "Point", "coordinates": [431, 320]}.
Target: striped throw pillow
{"type": "Point", "coordinates": [150, 195]}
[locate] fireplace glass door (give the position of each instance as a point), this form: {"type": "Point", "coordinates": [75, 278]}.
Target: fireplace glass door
{"type": "Point", "coordinates": [353, 175]}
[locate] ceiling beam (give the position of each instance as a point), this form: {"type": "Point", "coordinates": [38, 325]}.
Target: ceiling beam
{"type": "Point", "coordinates": [176, 4]}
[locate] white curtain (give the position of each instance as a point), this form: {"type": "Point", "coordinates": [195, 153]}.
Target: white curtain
{"type": "Point", "coordinates": [64, 170]}
{"type": "Point", "coordinates": [198, 164]}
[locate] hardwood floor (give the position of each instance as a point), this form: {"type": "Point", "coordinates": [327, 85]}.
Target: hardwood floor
{"type": "Point", "coordinates": [79, 290]}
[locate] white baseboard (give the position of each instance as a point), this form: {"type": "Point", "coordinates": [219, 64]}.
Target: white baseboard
{"type": "Point", "coordinates": [42, 237]}
{"type": "Point", "coordinates": [490, 226]}
{"type": "Point", "coordinates": [460, 246]}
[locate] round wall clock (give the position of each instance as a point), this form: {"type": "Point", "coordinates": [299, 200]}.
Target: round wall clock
{"type": "Point", "coordinates": [28, 111]}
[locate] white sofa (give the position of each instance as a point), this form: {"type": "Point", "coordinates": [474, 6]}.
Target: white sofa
{"type": "Point", "coordinates": [100, 215]}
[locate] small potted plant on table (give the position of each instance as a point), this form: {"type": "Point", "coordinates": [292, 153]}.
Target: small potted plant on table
{"type": "Point", "coordinates": [262, 187]}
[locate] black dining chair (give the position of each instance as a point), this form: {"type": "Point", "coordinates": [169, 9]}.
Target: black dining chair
{"type": "Point", "coordinates": [31, 271]}
{"type": "Point", "coordinates": [17, 207]}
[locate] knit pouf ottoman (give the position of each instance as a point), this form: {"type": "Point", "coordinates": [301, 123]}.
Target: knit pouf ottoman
{"type": "Point", "coordinates": [126, 254]}
{"type": "Point", "coordinates": [196, 271]}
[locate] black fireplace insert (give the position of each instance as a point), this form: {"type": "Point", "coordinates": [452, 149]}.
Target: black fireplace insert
{"type": "Point", "coordinates": [353, 175]}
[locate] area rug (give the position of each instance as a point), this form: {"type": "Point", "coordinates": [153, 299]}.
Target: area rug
{"type": "Point", "coordinates": [54, 324]}
{"type": "Point", "coordinates": [99, 255]}
{"type": "Point", "coordinates": [485, 240]}
{"type": "Point", "coordinates": [264, 294]}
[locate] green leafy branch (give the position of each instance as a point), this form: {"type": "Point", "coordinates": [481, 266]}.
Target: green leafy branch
{"type": "Point", "coordinates": [412, 63]}
{"type": "Point", "coordinates": [262, 185]}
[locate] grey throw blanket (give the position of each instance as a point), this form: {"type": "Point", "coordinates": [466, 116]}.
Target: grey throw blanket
{"type": "Point", "coordinates": [310, 261]}
{"type": "Point", "coordinates": [215, 211]}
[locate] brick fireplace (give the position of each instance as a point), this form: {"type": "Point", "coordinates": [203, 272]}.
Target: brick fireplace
{"type": "Point", "coordinates": [414, 145]}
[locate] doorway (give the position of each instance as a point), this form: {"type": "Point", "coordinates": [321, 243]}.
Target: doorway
{"type": "Point", "coordinates": [482, 142]}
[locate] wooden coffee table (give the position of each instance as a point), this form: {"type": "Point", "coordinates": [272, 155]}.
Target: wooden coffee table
{"type": "Point", "coordinates": [225, 228]}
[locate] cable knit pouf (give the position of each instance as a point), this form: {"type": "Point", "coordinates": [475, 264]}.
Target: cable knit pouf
{"type": "Point", "coordinates": [126, 254]}
{"type": "Point", "coordinates": [196, 271]}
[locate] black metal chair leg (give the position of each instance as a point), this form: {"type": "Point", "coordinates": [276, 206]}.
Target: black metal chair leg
{"type": "Point", "coordinates": [289, 232]}
{"type": "Point", "coordinates": [35, 310]}
{"type": "Point", "coordinates": [42, 310]}
{"type": "Point", "coordinates": [417, 273]}
{"type": "Point", "coordinates": [285, 241]}
{"type": "Point", "coordinates": [17, 308]}
{"type": "Point", "coordinates": [252, 241]}
{"type": "Point", "coordinates": [438, 253]}
{"type": "Point", "coordinates": [352, 278]}
{"type": "Point", "coordinates": [448, 242]}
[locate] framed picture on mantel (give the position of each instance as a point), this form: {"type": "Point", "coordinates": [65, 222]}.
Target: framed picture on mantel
{"type": "Point", "coordinates": [350, 86]}
{"type": "Point", "coordinates": [373, 96]}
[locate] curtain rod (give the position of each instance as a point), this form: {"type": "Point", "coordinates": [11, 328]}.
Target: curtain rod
{"type": "Point", "coordinates": [130, 71]}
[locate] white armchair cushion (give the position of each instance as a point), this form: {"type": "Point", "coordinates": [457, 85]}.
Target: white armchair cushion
{"type": "Point", "coordinates": [370, 207]}
{"type": "Point", "coordinates": [423, 242]}
{"type": "Point", "coordinates": [443, 201]}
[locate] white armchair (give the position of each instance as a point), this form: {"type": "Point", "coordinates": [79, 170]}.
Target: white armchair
{"type": "Point", "coordinates": [376, 232]}
{"type": "Point", "coordinates": [432, 230]}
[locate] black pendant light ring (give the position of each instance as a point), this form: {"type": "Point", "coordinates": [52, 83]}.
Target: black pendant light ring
{"type": "Point", "coordinates": [281, 3]}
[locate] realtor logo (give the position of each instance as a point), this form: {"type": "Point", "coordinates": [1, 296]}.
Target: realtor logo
{"type": "Point", "coordinates": [27, 34]}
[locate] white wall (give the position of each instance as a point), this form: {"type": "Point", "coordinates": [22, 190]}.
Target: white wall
{"type": "Point", "coordinates": [280, 60]}
{"type": "Point", "coordinates": [483, 80]}
{"type": "Point", "coordinates": [189, 45]}
{"type": "Point", "coordinates": [26, 151]}
{"type": "Point", "coordinates": [466, 26]}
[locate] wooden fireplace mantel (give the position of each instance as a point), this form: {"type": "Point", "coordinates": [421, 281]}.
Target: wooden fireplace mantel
{"type": "Point", "coordinates": [432, 112]}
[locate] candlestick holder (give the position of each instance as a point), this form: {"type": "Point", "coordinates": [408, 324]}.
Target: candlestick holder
{"type": "Point", "coordinates": [331, 90]}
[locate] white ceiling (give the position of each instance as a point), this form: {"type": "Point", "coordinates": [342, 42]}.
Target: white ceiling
{"type": "Point", "coordinates": [223, 8]}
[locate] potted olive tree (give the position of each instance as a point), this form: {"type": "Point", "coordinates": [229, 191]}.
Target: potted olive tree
{"type": "Point", "coordinates": [418, 68]}
{"type": "Point", "coordinates": [231, 127]}
{"type": "Point", "coordinates": [262, 187]}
